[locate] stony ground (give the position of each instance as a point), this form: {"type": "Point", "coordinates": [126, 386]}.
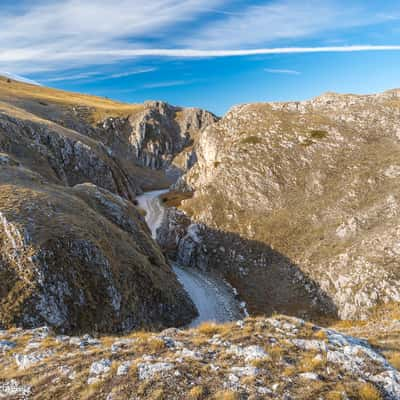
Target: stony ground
{"type": "Point", "coordinates": [259, 358]}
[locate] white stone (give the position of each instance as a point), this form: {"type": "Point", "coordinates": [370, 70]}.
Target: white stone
{"type": "Point", "coordinates": [123, 369]}
{"type": "Point", "coordinates": [13, 388]}
{"type": "Point", "coordinates": [25, 361]}
{"type": "Point", "coordinates": [316, 345]}
{"type": "Point", "coordinates": [393, 171]}
{"type": "Point", "coordinates": [309, 375]}
{"type": "Point", "coordinates": [233, 378]}
{"type": "Point", "coordinates": [147, 370]}
{"type": "Point", "coordinates": [245, 371]}
{"type": "Point", "coordinates": [263, 390]}
{"type": "Point", "coordinates": [186, 353]}
{"type": "Point", "coordinates": [100, 367]}
{"type": "Point", "coordinates": [249, 353]}
{"type": "Point", "coordinates": [5, 345]}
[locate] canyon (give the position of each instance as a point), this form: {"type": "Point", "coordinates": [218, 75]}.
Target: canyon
{"type": "Point", "coordinates": [126, 228]}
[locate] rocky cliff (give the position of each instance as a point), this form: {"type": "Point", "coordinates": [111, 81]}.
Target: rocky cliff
{"type": "Point", "coordinates": [75, 253]}
{"type": "Point", "coordinates": [297, 204]}
{"type": "Point", "coordinates": [159, 133]}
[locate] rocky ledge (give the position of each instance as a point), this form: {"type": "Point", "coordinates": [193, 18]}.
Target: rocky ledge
{"type": "Point", "coordinates": [258, 358]}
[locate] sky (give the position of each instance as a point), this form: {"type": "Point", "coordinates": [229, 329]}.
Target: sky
{"type": "Point", "coordinates": [211, 54]}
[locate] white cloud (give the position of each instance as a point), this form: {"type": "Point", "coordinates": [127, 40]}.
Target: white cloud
{"type": "Point", "coordinates": [165, 84]}
{"type": "Point", "coordinates": [130, 73]}
{"type": "Point", "coordinates": [278, 20]}
{"type": "Point", "coordinates": [282, 71]}
{"type": "Point", "coordinates": [74, 77]}
{"type": "Point", "coordinates": [97, 76]}
{"type": "Point", "coordinates": [284, 20]}
{"type": "Point", "coordinates": [47, 31]}
{"type": "Point", "coordinates": [59, 36]}
{"type": "Point", "coordinates": [121, 54]}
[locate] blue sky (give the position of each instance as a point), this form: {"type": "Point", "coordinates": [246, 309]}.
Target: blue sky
{"type": "Point", "coordinates": [206, 53]}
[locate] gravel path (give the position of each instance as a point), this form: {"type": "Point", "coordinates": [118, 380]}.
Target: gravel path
{"type": "Point", "coordinates": [214, 299]}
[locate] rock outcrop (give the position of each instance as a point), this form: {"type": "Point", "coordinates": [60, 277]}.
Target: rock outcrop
{"type": "Point", "coordinates": [158, 134]}
{"type": "Point", "coordinates": [80, 259]}
{"type": "Point", "coordinates": [305, 193]}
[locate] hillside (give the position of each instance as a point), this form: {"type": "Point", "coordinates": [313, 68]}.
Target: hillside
{"type": "Point", "coordinates": [263, 358]}
{"type": "Point", "coordinates": [76, 253]}
{"type": "Point", "coordinates": [292, 208]}
{"type": "Point", "coordinates": [297, 204]}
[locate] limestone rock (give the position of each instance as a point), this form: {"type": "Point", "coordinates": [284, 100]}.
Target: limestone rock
{"type": "Point", "coordinates": [304, 198]}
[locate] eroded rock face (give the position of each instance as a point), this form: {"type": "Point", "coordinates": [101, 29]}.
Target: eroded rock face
{"type": "Point", "coordinates": [80, 258]}
{"type": "Point", "coordinates": [317, 183]}
{"type": "Point", "coordinates": [63, 156]}
{"type": "Point", "coordinates": [159, 133]}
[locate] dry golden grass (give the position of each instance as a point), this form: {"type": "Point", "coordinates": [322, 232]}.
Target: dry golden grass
{"type": "Point", "coordinates": [367, 391]}
{"type": "Point", "coordinates": [10, 372]}
{"type": "Point", "coordinates": [346, 324]}
{"type": "Point", "coordinates": [394, 359]}
{"type": "Point", "coordinates": [102, 107]}
{"type": "Point", "coordinates": [310, 362]}
{"type": "Point", "coordinates": [200, 340]}
{"type": "Point", "coordinates": [261, 362]}
{"type": "Point", "coordinates": [211, 328]}
{"type": "Point", "coordinates": [249, 380]}
{"type": "Point", "coordinates": [158, 394]}
{"type": "Point", "coordinates": [89, 391]}
{"type": "Point", "coordinates": [289, 371]}
{"type": "Point", "coordinates": [334, 395]}
{"type": "Point", "coordinates": [226, 395]}
{"type": "Point", "coordinates": [48, 343]}
{"type": "Point", "coordinates": [155, 345]}
{"type": "Point", "coordinates": [321, 335]}
{"type": "Point", "coordinates": [276, 352]}
{"type": "Point", "coordinates": [389, 310]}
{"type": "Point", "coordinates": [196, 393]}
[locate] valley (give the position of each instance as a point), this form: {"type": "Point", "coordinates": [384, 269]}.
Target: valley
{"type": "Point", "coordinates": [153, 251]}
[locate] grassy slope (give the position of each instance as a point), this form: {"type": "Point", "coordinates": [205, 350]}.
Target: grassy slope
{"type": "Point", "coordinates": [52, 107]}
{"type": "Point", "coordinates": [24, 95]}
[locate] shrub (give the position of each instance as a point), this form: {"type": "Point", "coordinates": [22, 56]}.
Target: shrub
{"type": "Point", "coordinates": [318, 134]}
{"type": "Point", "coordinates": [251, 140]}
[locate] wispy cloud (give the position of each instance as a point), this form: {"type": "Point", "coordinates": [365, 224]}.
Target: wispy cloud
{"type": "Point", "coordinates": [51, 36]}
{"type": "Point", "coordinates": [282, 71]}
{"type": "Point", "coordinates": [283, 20]}
{"type": "Point", "coordinates": [122, 54]}
{"type": "Point", "coordinates": [130, 73]}
{"type": "Point", "coordinates": [74, 77]}
{"type": "Point", "coordinates": [44, 31]}
{"type": "Point", "coordinates": [165, 84]}
{"type": "Point", "coordinates": [97, 76]}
